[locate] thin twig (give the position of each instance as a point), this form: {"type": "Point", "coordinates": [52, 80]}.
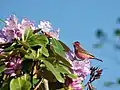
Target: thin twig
{"type": "Point", "coordinates": [46, 84]}
{"type": "Point", "coordinates": [38, 85]}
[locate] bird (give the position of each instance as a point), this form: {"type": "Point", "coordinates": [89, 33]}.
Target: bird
{"type": "Point", "coordinates": [81, 53]}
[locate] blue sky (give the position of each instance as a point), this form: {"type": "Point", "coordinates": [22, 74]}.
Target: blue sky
{"type": "Point", "coordinates": [77, 20]}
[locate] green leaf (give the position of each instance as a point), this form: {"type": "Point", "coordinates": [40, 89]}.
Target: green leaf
{"type": "Point", "coordinates": [66, 48]}
{"type": "Point", "coordinates": [38, 40]}
{"type": "Point", "coordinates": [27, 34]}
{"type": "Point", "coordinates": [98, 45]}
{"type": "Point", "coordinates": [62, 60]}
{"type": "Point", "coordinates": [108, 84]}
{"type": "Point", "coordinates": [6, 85]}
{"type": "Point", "coordinates": [2, 56]}
{"type": "Point", "coordinates": [118, 80]}
{"type": "Point", "coordinates": [57, 44]}
{"type": "Point", "coordinates": [27, 65]}
{"type": "Point", "coordinates": [100, 34]}
{"type": "Point", "coordinates": [65, 71]}
{"type": "Point", "coordinates": [44, 51]}
{"type": "Point", "coordinates": [2, 21]}
{"type": "Point", "coordinates": [57, 47]}
{"type": "Point", "coordinates": [54, 71]}
{"type": "Point", "coordinates": [117, 32]}
{"type": "Point", "coordinates": [35, 81]}
{"type": "Point", "coordinates": [2, 68]}
{"type": "Point", "coordinates": [32, 54]}
{"type": "Point", "coordinates": [20, 84]}
{"type": "Point", "coordinates": [9, 48]}
{"type": "Point", "coordinates": [26, 77]}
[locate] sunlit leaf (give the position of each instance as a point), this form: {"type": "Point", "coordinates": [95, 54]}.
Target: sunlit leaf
{"type": "Point", "coordinates": [57, 44]}
{"type": "Point", "coordinates": [20, 84]}
{"type": "Point", "coordinates": [62, 60]}
{"type": "Point", "coordinates": [54, 71]}
{"type": "Point", "coordinates": [40, 40]}
{"type": "Point", "coordinates": [27, 34]}
{"type": "Point", "coordinates": [32, 54]}
{"type": "Point", "coordinates": [66, 48]}
{"type": "Point", "coordinates": [65, 71]}
{"type": "Point", "coordinates": [44, 51]}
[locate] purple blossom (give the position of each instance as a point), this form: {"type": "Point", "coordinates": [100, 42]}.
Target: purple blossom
{"type": "Point", "coordinates": [2, 37]}
{"type": "Point", "coordinates": [25, 24]}
{"type": "Point", "coordinates": [47, 27]}
{"type": "Point", "coordinates": [80, 68]}
{"type": "Point", "coordinates": [13, 65]}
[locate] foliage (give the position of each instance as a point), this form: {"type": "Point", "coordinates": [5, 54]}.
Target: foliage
{"type": "Point", "coordinates": [34, 58]}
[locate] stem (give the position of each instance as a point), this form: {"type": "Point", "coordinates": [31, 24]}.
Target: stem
{"type": "Point", "coordinates": [32, 74]}
{"type": "Point", "coordinates": [38, 85]}
{"type": "Point", "coordinates": [46, 84]}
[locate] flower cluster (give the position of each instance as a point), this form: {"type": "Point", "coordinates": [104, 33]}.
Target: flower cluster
{"type": "Point", "coordinates": [13, 65]}
{"type": "Point", "coordinates": [80, 68]}
{"type": "Point", "coordinates": [36, 51]}
{"type": "Point", "coordinates": [13, 29]}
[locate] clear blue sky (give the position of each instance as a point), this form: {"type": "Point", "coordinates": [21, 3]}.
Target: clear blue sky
{"type": "Point", "coordinates": [78, 20]}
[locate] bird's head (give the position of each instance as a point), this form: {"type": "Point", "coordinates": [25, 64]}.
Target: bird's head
{"type": "Point", "coordinates": [76, 44]}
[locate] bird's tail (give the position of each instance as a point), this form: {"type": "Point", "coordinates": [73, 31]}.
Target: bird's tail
{"type": "Point", "coordinates": [98, 59]}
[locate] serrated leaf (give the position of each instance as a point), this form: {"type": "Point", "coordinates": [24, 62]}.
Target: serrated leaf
{"type": "Point", "coordinates": [54, 71]}
{"type": "Point", "coordinates": [20, 84]}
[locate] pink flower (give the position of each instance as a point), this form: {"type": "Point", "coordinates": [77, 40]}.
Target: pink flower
{"type": "Point", "coordinates": [14, 30]}
{"type": "Point", "coordinates": [13, 65]}
{"type": "Point", "coordinates": [47, 28]}
{"type": "Point", "coordinates": [80, 68]}
{"type": "Point", "coordinates": [25, 24]}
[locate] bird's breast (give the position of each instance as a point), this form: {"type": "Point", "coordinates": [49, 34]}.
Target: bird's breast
{"type": "Point", "coordinates": [83, 56]}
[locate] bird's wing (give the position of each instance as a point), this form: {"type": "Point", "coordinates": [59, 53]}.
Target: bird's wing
{"type": "Point", "coordinates": [84, 51]}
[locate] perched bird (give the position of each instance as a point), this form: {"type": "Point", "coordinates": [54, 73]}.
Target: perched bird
{"type": "Point", "coordinates": [81, 53]}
